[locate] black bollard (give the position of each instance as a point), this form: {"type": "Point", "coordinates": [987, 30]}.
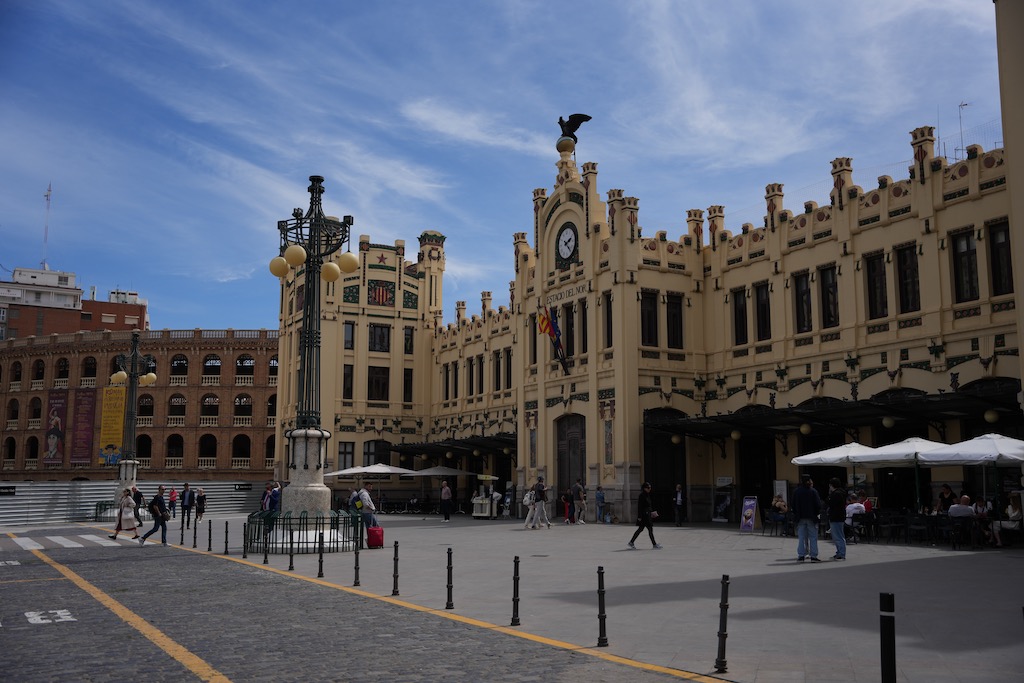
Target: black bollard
{"type": "Point", "coordinates": [320, 573]}
{"type": "Point", "coordinates": [602, 635]}
{"type": "Point", "coordinates": [449, 604]}
{"type": "Point", "coordinates": [225, 537]}
{"type": "Point", "coordinates": [245, 539]}
{"type": "Point", "coordinates": [394, 591]}
{"type": "Point", "coordinates": [209, 535]}
{"type": "Point", "coordinates": [195, 532]}
{"type": "Point", "coordinates": [266, 547]}
{"type": "Point", "coordinates": [723, 619]}
{"type": "Point", "coordinates": [515, 591]}
{"type": "Point", "coordinates": [887, 631]}
{"type": "Point", "coordinates": [181, 541]}
{"type": "Point", "coordinates": [291, 550]}
{"type": "Point", "coordinates": [355, 553]}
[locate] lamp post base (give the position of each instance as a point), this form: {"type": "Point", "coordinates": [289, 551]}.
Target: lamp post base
{"type": "Point", "coordinates": [306, 491]}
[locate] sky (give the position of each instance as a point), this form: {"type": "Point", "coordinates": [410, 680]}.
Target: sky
{"type": "Point", "coordinates": [175, 135]}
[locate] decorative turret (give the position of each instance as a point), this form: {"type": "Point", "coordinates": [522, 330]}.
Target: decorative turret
{"type": "Point", "coordinates": [923, 141]}
{"type": "Point", "coordinates": [695, 226]}
{"type": "Point", "coordinates": [773, 201]}
{"type": "Point", "coordinates": [842, 179]}
{"type": "Point", "coordinates": [716, 221]}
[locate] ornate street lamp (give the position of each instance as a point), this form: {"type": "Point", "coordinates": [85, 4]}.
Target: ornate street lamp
{"type": "Point", "coordinates": [132, 369]}
{"type": "Point", "coordinates": [306, 241]}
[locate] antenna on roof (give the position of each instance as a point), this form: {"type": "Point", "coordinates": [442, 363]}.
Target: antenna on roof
{"type": "Point", "coordinates": [961, 112]}
{"type": "Point", "coordinates": [46, 224]}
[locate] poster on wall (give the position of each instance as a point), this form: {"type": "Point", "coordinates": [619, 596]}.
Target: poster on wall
{"type": "Point", "coordinates": [83, 417]}
{"type": "Point", "coordinates": [112, 420]}
{"type": "Point", "coordinates": [56, 419]}
{"type": "Point", "coordinates": [750, 519]}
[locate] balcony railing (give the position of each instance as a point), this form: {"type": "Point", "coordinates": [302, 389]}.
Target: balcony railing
{"type": "Point", "coordinates": [60, 383]}
{"type": "Point", "coordinates": [174, 463]}
{"type": "Point", "coordinates": [244, 380]}
{"type": "Point", "coordinates": [178, 380]}
{"type": "Point", "coordinates": [144, 421]}
{"type": "Point", "coordinates": [32, 464]}
{"type": "Point", "coordinates": [272, 421]}
{"type": "Point", "coordinates": [35, 423]}
{"type": "Point", "coordinates": [12, 424]}
{"type": "Point", "coordinates": [272, 380]}
{"type": "Point", "coordinates": [211, 380]}
{"type": "Point", "coordinates": [240, 463]}
{"type": "Point", "coordinates": [145, 463]}
{"type": "Point", "coordinates": [207, 463]}
{"type": "Point", "coordinates": [242, 421]}
{"type": "Point", "coordinates": [88, 383]}
{"type": "Point", "coordinates": [208, 421]}
{"type": "Point", "coordinates": [8, 464]}
{"type": "Point", "coordinates": [175, 421]}
{"type": "Point", "coordinates": [14, 386]}
{"type": "Point", "coordinates": [36, 385]}
{"type": "Point", "coordinates": [268, 463]}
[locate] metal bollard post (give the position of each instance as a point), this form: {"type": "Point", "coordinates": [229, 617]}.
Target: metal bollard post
{"type": "Point", "coordinates": [602, 635]}
{"type": "Point", "coordinates": [181, 541]}
{"type": "Point", "coordinates": [195, 533]}
{"type": "Point", "coordinates": [245, 539]}
{"type": "Point", "coordinates": [720, 664]}
{"type": "Point", "coordinates": [515, 591]}
{"type": "Point", "coordinates": [209, 535]}
{"type": "Point", "coordinates": [320, 573]}
{"type": "Point", "coordinates": [887, 632]}
{"type": "Point", "coordinates": [394, 591]}
{"type": "Point", "coordinates": [266, 547]}
{"type": "Point", "coordinates": [355, 553]}
{"type": "Point", "coordinates": [449, 604]}
{"type": "Point", "coordinates": [225, 537]}
{"type": "Point", "coordinates": [291, 550]}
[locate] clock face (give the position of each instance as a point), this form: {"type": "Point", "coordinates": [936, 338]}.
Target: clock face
{"type": "Point", "coordinates": [567, 241]}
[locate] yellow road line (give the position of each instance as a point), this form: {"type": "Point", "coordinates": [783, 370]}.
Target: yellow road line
{"type": "Point", "coordinates": [188, 659]}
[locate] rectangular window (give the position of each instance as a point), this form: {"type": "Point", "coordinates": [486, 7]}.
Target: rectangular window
{"type": "Point", "coordinates": [762, 311]}
{"type": "Point", "coordinates": [350, 335]}
{"type": "Point", "coordinates": [407, 386]}
{"type": "Point", "coordinates": [496, 370]}
{"type": "Point", "coordinates": [347, 382]}
{"type": "Point", "coordinates": [408, 340]}
{"type": "Point", "coordinates": [455, 379]}
{"type": "Point", "coordinates": [878, 298]}
{"type": "Point", "coordinates": [674, 321]}
{"type": "Point", "coordinates": [446, 369]}
{"type": "Point", "coordinates": [480, 374]}
{"type": "Point", "coordinates": [583, 326]}
{"type": "Point", "coordinates": [1000, 257]}
{"type": "Point", "coordinates": [802, 301]}
{"type": "Point", "coordinates": [377, 381]}
{"type": "Point", "coordinates": [965, 266]}
{"type": "Point", "coordinates": [908, 278]}
{"type": "Point", "coordinates": [470, 366]}
{"type": "Point", "coordinates": [346, 451]}
{"type": "Point", "coordinates": [568, 331]}
{"type": "Point", "coordinates": [380, 338]}
{"type": "Point", "coordinates": [609, 336]}
{"type": "Point", "coordinates": [649, 318]}
{"type": "Point", "coordinates": [533, 338]}
{"type": "Point", "coordinates": [375, 452]}
{"type": "Point", "coordinates": [829, 291]}
{"type": "Point", "coordinates": [508, 369]}
{"type": "Point", "coordinates": [739, 316]}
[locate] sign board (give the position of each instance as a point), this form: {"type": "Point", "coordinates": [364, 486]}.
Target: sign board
{"type": "Point", "coordinates": [723, 481]}
{"type": "Point", "coordinates": [243, 487]}
{"type": "Point", "coordinates": [750, 518]}
{"type": "Point", "coordinates": [7, 490]}
{"type": "Point", "coordinates": [780, 487]}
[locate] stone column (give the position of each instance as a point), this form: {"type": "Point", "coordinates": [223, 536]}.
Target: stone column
{"type": "Point", "coordinates": [306, 490]}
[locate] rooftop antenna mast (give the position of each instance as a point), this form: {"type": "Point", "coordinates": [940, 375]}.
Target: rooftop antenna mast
{"type": "Point", "coordinates": [962, 148]}
{"type": "Point", "coordinates": [46, 224]}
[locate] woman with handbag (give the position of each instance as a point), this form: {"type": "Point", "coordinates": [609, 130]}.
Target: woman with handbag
{"type": "Point", "coordinates": [645, 515]}
{"type": "Point", "coordinates": [125, 515]}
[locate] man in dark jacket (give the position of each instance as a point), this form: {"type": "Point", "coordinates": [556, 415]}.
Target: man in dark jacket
{"type": "Point", "coordinates": [837, 517]}
{"type": "Point", "coordinates": [806, 508]}
{"type": "Point", "coordinates": [139, 500]}
{"type": "Point", "coordinates": [188, 499]}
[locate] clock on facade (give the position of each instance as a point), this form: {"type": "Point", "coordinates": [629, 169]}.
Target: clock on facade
{"type": "Point", "coordinates": [567, 244]}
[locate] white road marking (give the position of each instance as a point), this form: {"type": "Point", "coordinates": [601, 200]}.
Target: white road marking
{"type": "Point", "coordinates": [99, 540]}
{"type": "Point", "coordinates": [66, 542]}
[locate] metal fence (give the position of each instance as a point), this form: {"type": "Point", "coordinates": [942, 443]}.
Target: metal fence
{"type": "Point", "coordinates": [275, 533]}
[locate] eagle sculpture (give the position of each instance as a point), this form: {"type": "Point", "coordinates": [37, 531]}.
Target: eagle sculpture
{"type": "Point", "coordinates": [570, 127]}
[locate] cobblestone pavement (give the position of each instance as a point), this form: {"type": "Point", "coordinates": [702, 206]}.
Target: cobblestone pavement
{"type": "Point", "coordinates": [190, 615]}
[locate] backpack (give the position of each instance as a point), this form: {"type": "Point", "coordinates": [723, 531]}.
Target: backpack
{"type": "Point", "coordinates": [356, 503]}
{"type": "Point", "coordinates": [528, 498]}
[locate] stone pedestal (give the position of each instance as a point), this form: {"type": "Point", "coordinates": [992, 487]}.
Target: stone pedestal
{"type": "Point", "coordinates": [127, 474]}
{"type": "Point", "coordinates": [306, 490]}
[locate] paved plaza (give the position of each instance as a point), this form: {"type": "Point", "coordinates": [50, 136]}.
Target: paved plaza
{"type": "Point", "coordinates": [75, 606]}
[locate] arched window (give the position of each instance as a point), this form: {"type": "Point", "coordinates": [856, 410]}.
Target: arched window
{"type": "Point", "coordinates": [145, 406]}
{"type": "Point", "coordinates": [63, 368]}
{"type": "Point", "coordinates": [10, 446]}
{"type": "Point", "coordinates": [38, 370]}
{"type": "Point", "coordinates": [240, 448]}
{"type": "Point", "coordinates": [273, 366]}
{"type": "Point", "coordinates": [271, 446]}
{"type": "Point", "coordinates": [175, 446]}
{"type": "Point", "coordinates": [210, 406]}
{"type": "Point", "coordinates": [207, 446]}
{"type": "Point", "coordinates": [144, 446]}
{"type": "Point", "coordinates": [211, 365]}
{"type": "Point", "coordinates": [176, 407]}
{"type": "Point", "coordinates": [245, 366]}
{"type": "Point", "coordinates": [32, 448]}
{"type": "Point", "coordinates": [179, 366]}
{"type": "Point", "coordinates": [243, 405]}
{"type": "Point", "coordinates": [13, 410]}
{"type": "Point", "coordinates": [16, 371]}
{"type": "Point", "coordinates": [88, 366]}
{"type": "Point", "coordinates": [35, 408]}
{"type": "Point", "coordinates": [148, 364]}
{"type": "Point", "coordinates": [272, 406]}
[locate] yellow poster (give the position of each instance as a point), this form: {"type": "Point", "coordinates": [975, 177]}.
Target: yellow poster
{"type": "Point", "coordinates": [111, 421]}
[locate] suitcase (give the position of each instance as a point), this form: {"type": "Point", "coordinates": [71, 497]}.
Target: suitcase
{"type": "Point", "coordinates": [374, 537]}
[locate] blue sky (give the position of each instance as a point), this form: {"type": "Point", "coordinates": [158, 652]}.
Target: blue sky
{"type": "Point", "coordinates": [176, 134]}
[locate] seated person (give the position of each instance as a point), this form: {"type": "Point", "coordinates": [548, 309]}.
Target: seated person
{"type": "Point", "coordinates": [962, 509]}
{"type": "Point", "coordinates": [1013, 515]}
{"type": "Point", "coordinates": [862, 497]}
{"type": "Point", "coordinates": [985, 525]}
{"type": "Point", "coordinates": [853, 507]}
{"type": "Point", "coordinates": [778, 508]}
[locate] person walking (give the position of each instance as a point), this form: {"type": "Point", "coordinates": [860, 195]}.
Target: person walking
{"type": "Point", "coordinates": [139, 499]}
{"type": "Point", "coordinates": [806, 509]}
{"type": "Point", "coordinates": [446, 501]}
{"type": "Point", "coordinates": [172, 502]}
{"type": "Point", "coordinates": [540, 502]}
{"type": "Point", "coordinates": [529, 500]}
{"type": "Point", "coordinates": [645, 516]}
{"type": "Point", "coordinates": [200, 504]}
{"type": "Point", "coordinates": [579, 494]}
{"type": "Point", "coordinates": [158, 508]}
{"type": "Point", "coordinates": [599, 499]}
{"type": "Point", "coordinates": [837, 517]}
{"type": "Point", "coordinates": [125, 515]}
{"type": "Point", "coordinates": [188, 499]}
{"type": "Point", "coordinates": [368, 510]}
{"type": "Point", "coordinates": [679, 503]}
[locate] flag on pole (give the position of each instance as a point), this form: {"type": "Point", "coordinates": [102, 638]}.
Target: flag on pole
{"type": "Point", "coordinates": [547, 323]}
